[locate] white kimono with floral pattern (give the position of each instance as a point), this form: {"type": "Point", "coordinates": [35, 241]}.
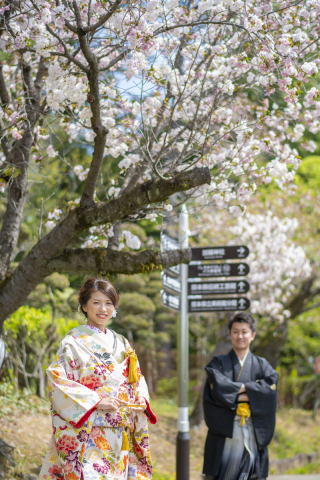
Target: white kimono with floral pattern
{"type": "Point", "coordinates": [86, 442]}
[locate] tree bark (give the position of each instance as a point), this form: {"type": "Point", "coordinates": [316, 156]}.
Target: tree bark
{"type": "Point", "coordinates": [223, 346]}
{"type": "Point", "coordinates": [18, 157]}
{"type": "Point", "coordinates": [107, 261]}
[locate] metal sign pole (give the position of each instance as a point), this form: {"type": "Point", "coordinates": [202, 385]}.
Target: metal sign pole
{"type": "Point", "coordinates": [183, 439]}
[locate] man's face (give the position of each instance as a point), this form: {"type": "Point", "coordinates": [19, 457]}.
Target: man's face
{"type": "Point", "coordinates": [241, 335]}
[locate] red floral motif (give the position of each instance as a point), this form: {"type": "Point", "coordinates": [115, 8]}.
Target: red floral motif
{"type": "Point", "coordinates": [66, 443]}
{"type": "Point", "coordinates": [95, 432]}
{"type": "Point", "coordinates": [125, 370]}
{"type": "Point", "coordinates": [55, 471]}
{"type": "Point", "coordinates": [91, 381]}
{"type": "Point", "coordinates": [68, 467]}
{"type": "Point", "coordinates": [138, 450]}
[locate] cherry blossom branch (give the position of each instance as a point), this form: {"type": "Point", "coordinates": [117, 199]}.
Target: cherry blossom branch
{"type": "Point", "coordinates": [103, 19]}
{"type": "Point", "coordinates": [116, 60]}
{"type": "Point", "coordinates": [66, 51]}
{"type": "Point", "coordinates": [195, 24]}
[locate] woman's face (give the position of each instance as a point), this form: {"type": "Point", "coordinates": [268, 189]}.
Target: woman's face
{"type": "Point", "coordinates": [99, 310]}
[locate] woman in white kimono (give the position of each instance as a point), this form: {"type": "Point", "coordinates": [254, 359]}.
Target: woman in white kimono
{"type": "Point", "coordinates": [99, 399]}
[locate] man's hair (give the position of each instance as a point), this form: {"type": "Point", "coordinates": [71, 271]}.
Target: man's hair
{"type": "Point", "coordinates": [243, 317]}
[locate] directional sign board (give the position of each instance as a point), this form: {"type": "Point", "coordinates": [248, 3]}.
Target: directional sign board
{"type": "Point", "coordinates": [219, 270]}
{"type": "Point", "coordinates": [171, 282]}
{"type": "Point", "coordinates": [218, 304]}
{"type": "Point", "coordinates": [171, 301]}
{"type": "Point", "coordinates": [220, 253]}
{"type": "Point", "coordinates": [216, 288]}
{"type": "Point", "coordinates": [168, 243]}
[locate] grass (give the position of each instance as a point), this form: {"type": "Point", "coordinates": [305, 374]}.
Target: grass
{"type": "Point", "coordinates": [296, 432]}
{"type": "Point", "coordinates": [164, 406]}
{"type": "Point", "coordinates": [310, 468]}
{"type": "Point", "coordinates": [162, 475]}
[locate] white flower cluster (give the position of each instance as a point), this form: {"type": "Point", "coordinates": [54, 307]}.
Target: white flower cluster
{"type": "Point", "coordinates": [80, 172]}
{"type": "Point", "coordinates": [52, 216]}
{"type": "Point", "coordinates": [277, 265]}
{"type": "Point", "coordinates": [64, 88]}
{"type": "Point", "coordinates": [132, 240]}
{"type": "Point", "coordinates": [99, 237]}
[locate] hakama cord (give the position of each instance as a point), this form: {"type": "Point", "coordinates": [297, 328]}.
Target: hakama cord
{"type": "Point", "coordinates": [87, 443]}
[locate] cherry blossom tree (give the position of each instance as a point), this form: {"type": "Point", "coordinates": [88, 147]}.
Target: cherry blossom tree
{"type": "Point", "coordinates": [181, 94]}
{"type": "Point", "coordinates": [278, 266]}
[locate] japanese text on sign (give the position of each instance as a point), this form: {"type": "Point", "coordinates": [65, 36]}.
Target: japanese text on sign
{"type": "Point", "coordinates": [219, 304]}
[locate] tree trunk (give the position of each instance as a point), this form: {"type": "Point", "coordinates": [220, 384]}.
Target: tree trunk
{"type": "Point", "coordinates": [223, 346]}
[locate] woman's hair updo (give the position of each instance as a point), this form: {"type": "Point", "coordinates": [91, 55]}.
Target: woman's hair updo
{"type": "Point", "coordinates": [92, 285]}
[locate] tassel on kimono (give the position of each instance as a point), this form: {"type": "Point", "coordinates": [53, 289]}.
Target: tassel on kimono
{"type": "Point", "coordinates": [133, 369]}
{"type": "Point", "coordinates": [243, 411]}
{"type": "Point", "coordinates": [125, 441]}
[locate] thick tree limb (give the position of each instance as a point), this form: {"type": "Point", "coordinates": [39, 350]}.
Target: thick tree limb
{"type": "Point", "coordinates": [304, 295]}
{"type": "Point", "coordinates": [19, 158]}
{"type": "Point", "coordinates": [16, 288]}
{"type": "Point", "coordinates": [107, 261]}
{"type": "Point", "coordinates": [4, 95]}
{"type": "Point", "coordinates": [150, 192]}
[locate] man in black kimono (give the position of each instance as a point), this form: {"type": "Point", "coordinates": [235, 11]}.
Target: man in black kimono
{"type": "Point", "coordinates": [240, 399]}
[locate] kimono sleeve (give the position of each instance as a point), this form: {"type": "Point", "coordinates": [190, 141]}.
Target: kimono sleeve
{"type": "Point", "coordinates": [222, 389]}
{"type": "Point", "coordinates": [72, 401]}
{"type": "Point", "coordinates": [142, 391]}
{"type": "Point", "coordinates": [263, 403]}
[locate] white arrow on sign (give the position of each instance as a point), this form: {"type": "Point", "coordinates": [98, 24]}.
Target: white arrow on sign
{"type": "Point", "coordinates": [241, 269]}
{"type": "Point", "coordinates": [241, 286]}
{"type": "Point", "coordinates": [241, 303]}
{"type": "Point", "coordinates": [241, 251]}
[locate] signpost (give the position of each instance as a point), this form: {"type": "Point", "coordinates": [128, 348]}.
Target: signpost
{"type": "Point", "coordinates": [171, 282]}
{"type": "Point", "coordinates": [167, 243]}
{"type": "Point", "coordinates": [171, 301]}
{"type": "Point", "coordinates": [183, 438]}
{"type": "Point", "coordinates": [219, 270]}
{"type": "Point", "coordinates": [217, 288]}
{"type": "Point", "coordinates": [220, 253]}
{"type": "Point", "coordinates": [218, 304]}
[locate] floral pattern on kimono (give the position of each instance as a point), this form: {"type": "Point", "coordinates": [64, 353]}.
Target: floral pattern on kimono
{"type": "Point", "coordinates": [87, 442]}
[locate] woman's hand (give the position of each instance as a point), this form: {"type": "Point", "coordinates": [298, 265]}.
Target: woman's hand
{"type": "Point", "coordinates": [110, 403]}
{"type": "Point", "coordinates": [243, 397]}
{"type": "Point", "coordinates": [139, 401]}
